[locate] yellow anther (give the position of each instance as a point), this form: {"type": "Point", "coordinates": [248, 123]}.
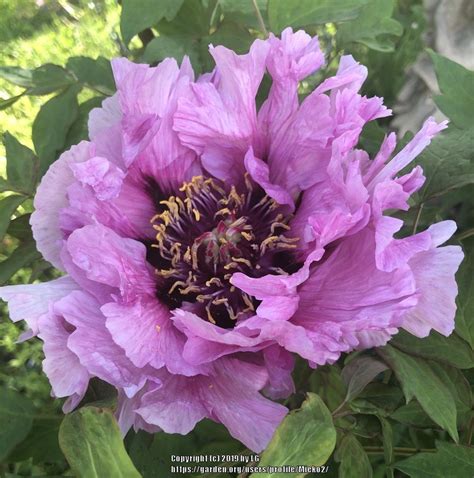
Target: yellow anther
{"type": "Point", "coordinates": [215, 281]}
{"type": "Point", "coordinates": [222, 211]}
{"type": "Point", "coordinates": [210, 318]}
{"type": "Point", "coordinates": [242, 260]}
{"type": "Point", "coordinates": [177, 284]}
{"type": "Point", "coordinates": [197, 214]}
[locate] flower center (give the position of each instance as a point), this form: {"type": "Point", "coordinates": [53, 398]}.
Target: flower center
{"type": "Point", "coordinates": [205, 234]}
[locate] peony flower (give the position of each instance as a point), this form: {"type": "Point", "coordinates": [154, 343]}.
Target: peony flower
{"type": "Point", "coordinates": [204, 242]}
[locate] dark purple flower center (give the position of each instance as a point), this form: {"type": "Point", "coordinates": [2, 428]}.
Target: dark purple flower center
{"type": "Point", "coordinates": [209, 231]}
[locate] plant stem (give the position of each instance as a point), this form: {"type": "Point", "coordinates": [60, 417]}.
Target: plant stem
{"type": "Point", "coordinates": [418, 216]}
{"type": "Point", "coordinates": [465, 234]}
{"type": "Point", "coordinates": [375, 450]}
{"type": "Point", "coordinates": [260, 18]}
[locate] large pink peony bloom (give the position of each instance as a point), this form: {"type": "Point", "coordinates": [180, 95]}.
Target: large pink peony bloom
{"type": "Point", "coordinates": [203, 242]}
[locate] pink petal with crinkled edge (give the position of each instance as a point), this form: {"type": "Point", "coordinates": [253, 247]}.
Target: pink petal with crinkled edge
{"type": "Point", "coordinates": [148, 98]}
{"type": "Point", "coordinates": [101, 175]}
{"type": "Point", "coordinates": [260, 173]}
{"type": "Point", "coordinates": [219, 122]}
{"type": "Point", "coordinates": [68, 377]}
{"type": "Point", "coordinates": [92, 343]}
{"type": "Point", "coordinates": [50, 198]}
{"type": "Point", "coordinates": [206, 342]}
{"type": "Point", "coordinates": [30, 301]}
{"type": "Point", "coordinates": [127, 212]}
{"type": "Point", "coordinates": [105, 130]}
{"type": "Point", "coordinates": [336, 207]}
{"type": "Point", "coordinates": [117, 262]}
{"type": "Point", "coordinates": [144, 330]}
{"type": "Point", "coordinates": [434, 272]}
{"type": "Point", "coordinates": [421, 140]}
{"type": "Point", "coordinates": [230, 396]}
{"type": "Point", "coordinates": [392, 253]}
{"type": "Point", "coordinates": [290, 59]}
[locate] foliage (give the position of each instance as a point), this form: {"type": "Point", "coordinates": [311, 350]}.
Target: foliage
{"type": "Point", "coordinates": [404, 408]}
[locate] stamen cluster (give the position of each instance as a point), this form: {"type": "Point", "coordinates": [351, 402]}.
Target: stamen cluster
{"type": "Point", "coordinates": [205, 234]}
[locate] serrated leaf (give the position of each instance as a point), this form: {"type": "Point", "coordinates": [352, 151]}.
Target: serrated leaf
{"type": "Point", "coordinates": [305, 437]}
{"type": "Point", "coordinates": [447, 163]}
{"type": "Point", "coordinates": [96, 73]}
{"type": "Point", "coordinates": [374, 27]}
{"type": "Point", "coordinates": [450, 461]}
{"type": "Point", "coordinates": [16, 417]}
{"type": "Point", "coordinates": [138, 15]}
{"type": "Point", "coordinates": [22, 165]}
{"type": "Point", "coordinates": [359, 372]}
{"type": "Point", "coordinates": [51, 125]}
{"type": "Point", "coordinates": [465, 300]}
{"type": "Point", "coordinates": [91, 442]}
{"type": "Point", "coordinates": [8, 206]}
{"type": "Point", "coordinates": [457, 87]}
{"type": "Point", "coordinates": [302, 13]}
{"type": "Point", "coordinates": [353, 458]}
{"type": "Point", "coordinates": [451, 350]}
{"type": "Point", "coordinates": [419, 381]}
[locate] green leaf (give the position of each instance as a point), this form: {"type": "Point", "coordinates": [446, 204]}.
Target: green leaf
{"type": "Point", "coordinates": [138, 15]}
{"type": "Point", "coordinates": [305, 437]}
{"type": "Point", "coordinates": [457, 87]}
{"type": "Point", "coordinates": [353, 458]}
{"type": "Point", "coordinates": [49, 78]}
{"type": "Point", "coordinates": [22, 165]}
{"type": "Point", "coordinates": [16, 417]}
{"type": "Point", "coordinates": [79, 130]}
{"type": "Point", "coordinates": [242, 12]}
{"type": "Point", "coordinates": [358, 373]}
{"type": "Point", "coordinates": [4, 104]}
{"type": "Point", "coordinates": [379, 398]}
{"type": "Point", "coordinates": [419, 381]}
{"type": "Point", "coordinates": [91, 442]}
{"type": "Point", "coordinates": [51, 125]}
{"type": "Point", "coordinates": [451, 350]}
{"type": "Point", "coordinates": [42, 443]}
{"type": "Point", "coordinates": [460, 390]}
{"type": "Point", "coordinates": [94, 73]}
{"type": "Point", "coordinates": [387, 435]}
{"type": "Point", "coordinates": [465, 300]}
{"type": "Point", "coordinates": [17, 76]}
{"type": "Point", "coordinates": [192, 21]}
{"type": "Point", "coordinates": [374, 27]}
{"type": "Point", "coordinates": [302, 13]}
{"type": "Point", "coordinates": [8, 206]}
{"type": "Point", "coordinates": [23, 255]}
{"type": "Point", "coordinates": [412, 414]}
{"type": "Point", "coordinates": [447, 163]}
{"type": "Point", "coordinates": [20, 228]}
{"type": "Point", "coordinates": [166, 45]}
{"type": "Point", "coordinates": [450, 461]}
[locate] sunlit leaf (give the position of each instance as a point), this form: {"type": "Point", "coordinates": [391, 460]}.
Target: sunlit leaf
{"type": "Point", "coordinates": [91, 442]}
